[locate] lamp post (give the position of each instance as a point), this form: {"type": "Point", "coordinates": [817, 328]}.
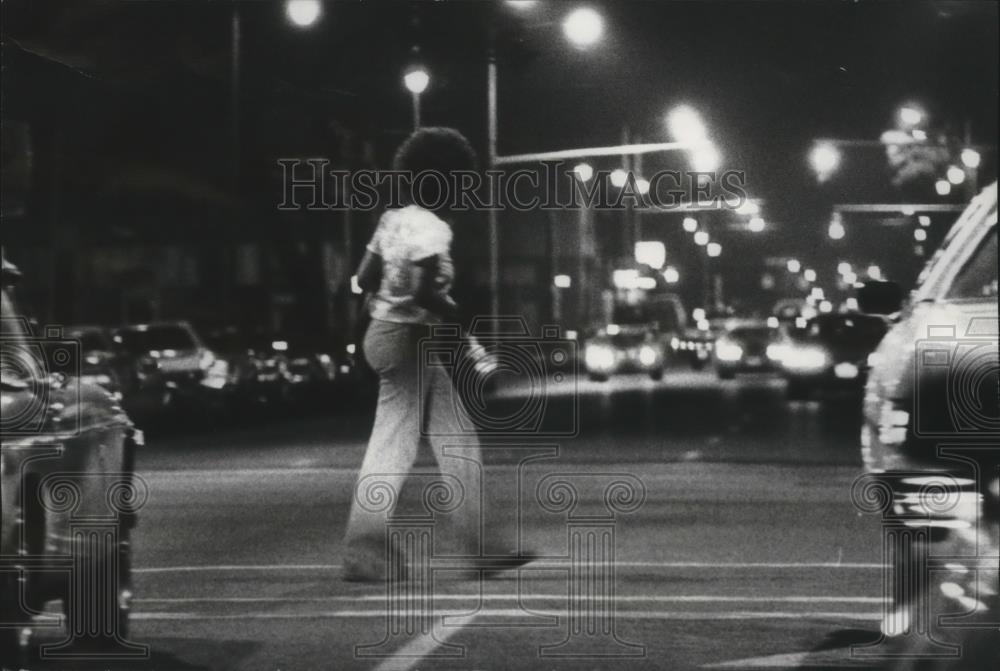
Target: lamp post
{"type": "Point", "coordinates": [583, 27]}
{"type": "Point", "coordinates": [416, 81]}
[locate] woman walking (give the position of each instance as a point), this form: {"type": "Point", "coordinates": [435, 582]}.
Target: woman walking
{"type": "Point", "coordinates": [408, 270]}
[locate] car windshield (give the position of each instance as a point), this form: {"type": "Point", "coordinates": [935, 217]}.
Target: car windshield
{"type": "Point", "coordinates": [847, 330]}
{"type": "Point", "coordinates": [978, 278]}
{"type": "Point", "coordinates": [90, 341]}
{"type": "Point", "coordinates": [157, 338]}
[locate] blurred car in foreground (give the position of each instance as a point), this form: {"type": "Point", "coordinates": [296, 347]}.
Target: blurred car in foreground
{"type": "Point", "coordinates": [932, 412]}
{"type": "Point", "coordinates": [744, 349]}
{"type": "Point", "coordinates": [694, 346]}
{"type": "Point", "coordinates": [625, 348]}
{"type": "Point", "coordinates": [66, 457]}
{"type": "Point", "coordinates": [830, 353]}
{"type": "Point", "coordinates": [193, 375]}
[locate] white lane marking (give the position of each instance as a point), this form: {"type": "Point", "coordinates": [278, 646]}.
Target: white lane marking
{"type": "Point", "coordinates": [514, 597]}
{"type": "Point", "coordinates": [539, 564]}
{"type": "Point", "coordinates": [517, 613]}
{"type": "Point", "coordinates": [790, 660]}
{"type": "Point", "coordinates": [411, 654]}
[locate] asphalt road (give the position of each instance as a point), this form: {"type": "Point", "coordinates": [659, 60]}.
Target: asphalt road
{"type": "Point", "coordinates": [740, 547]}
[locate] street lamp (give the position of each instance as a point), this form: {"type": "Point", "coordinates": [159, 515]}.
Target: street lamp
{"type": "Point", "coordinates": [910, 115]}
{"type": "Point", "coordinates": [971, 158]}
{"type": "Point", "coordinates": [955, 175]}
{"type": "Point", "coordinates": [416, 81]}
{"type": "Point", "coordinates": [303, 13]}
{"type": "Point", "coordinates": [583, 27]}
{"type": "Point", "coordinates": [584, 172]}
{"type": "Point", "coordinates": [825, 159]}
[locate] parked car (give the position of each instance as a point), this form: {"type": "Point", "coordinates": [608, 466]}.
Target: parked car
{"type": "Point", "coordinates": [67, 454]}
{"type": "Point", "coordinates": [744, 349]}
{"type": "Point", "coordinates": [620, 348]}
{"type": "Point", "coordinates": [830, 353]}
{"type": "Point", "coordinates": [192, 374]}
{"type": "Point", "coordinates": [931, 406]}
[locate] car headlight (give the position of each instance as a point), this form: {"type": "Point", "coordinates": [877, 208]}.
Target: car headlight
{"type": "Point", "coordinates": [100, 379]}
{"type": "Point", "coordinates": [599, 357]}
{"type": "Point", "coordinates": [777, 352]}
{"type": "Point", "coordinates": [846, 371]}
{"type": "Point", "coordinates": [728, 351]}
{"type": "Point", "coordinates": [805, 359]}
{"type": "Point", "coordinates": [648, 356]}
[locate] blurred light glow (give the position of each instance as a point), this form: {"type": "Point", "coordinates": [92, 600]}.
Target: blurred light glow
{"type": "Point", "coordinates": [584, 172]}
{"type": "Point", "coordinates": [643, 186]}
{"type": "Point", "coordinates": [919, 235]}
{"type": "Point", "coordinates": [701, 238]}
{"type": "Point", "coordinates": [522, 5]}
{"type": "Point", "coordinates": [836, 230]}
{"type": "Point", "coordinates": [748, 208]}
{"type": "Point", "coordinates": [919, 135]}
{"type": "Point", "coordinates": [685, 125]}
{"type": "Point", "coordinates": [971, 158]}
{"type": "Point", "coordinates": [908, 211]}
{"type": "Point", "coordinates": [355, 287]}
{"type": "Point", "coordinates": [817, 294]}
{"type": "Point", "coordinates": [851, 278]}
{"type": "Point", "coordinates": [417, 80]}
{"type": "Point", "coordinates": [851, 304]}
{"type": "Point", "coordinates": [825, 306]}
{"type": "Point", "coordinates": [583, 27]}
{"type": "Point", "coordinates": [943, 187]}
{"type": "Point", "coordinates": [772, 322]}
{"type": "Point", "coordinates": [705, 158]}
{"type": "Point", "coordinates": [793, 265]}
{"type": "Point", "coordinates": [825, 159]}
{"type": "Point", "coordinates": [844, 267]}
{"type": "Point", "coordinates": [698, 314]}
{"type": "Point", "coordinates": [924, 220]}
{"type": "Point", "coordinates": [618, 178]}
{"type": "Point", "coordinates": [562, 281]}
{"type": "Point", "coordinates": [810, 275]}
{"type": "Point", "coordinates": [757, 224]}
{"type": "Point", "coordinates": [714, 249]}
{"type": "Point", "coordinates": [651, 252]}
{"type": "Point", "coordinates": [671, 275]}
{"type": "Point", "coordinates": [690, 224]}
{"type": "Point", "coordinates": [351, 348]}
{"type": "Point", "coordinates": [874, 272]}
{"type": "Point", "coordinates": [910, 115]}
{"type": "Point", "coordinates": [625, 279]}
{"type": "Point", "coordinates": [703, 325]}
{"type": "Point", "coordinates": [303, 13]}
{"type": "Point", "coordinates": [955, 175]}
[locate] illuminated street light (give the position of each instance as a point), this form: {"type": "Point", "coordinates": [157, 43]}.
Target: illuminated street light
{"type": "Point", "coordinates": [690, 224]}
{"type": "Point", "coordinates": [685, 125]}
{"type": "Point", "coordinates": [810, 275]}
{"type": "Point", "coordinates": [836, 230]}
{"type": "Point", "coordinates": [910, 116]}
{"type": "Point", "coordinates": [955, 175]}
{"type": "Point", "coordinates": [562, 281]}
{"type": "Point", "coordinates": [919, 235]}
{"type": "Point", "coordinates": [971, 158]}
{"type": "Point", "coordinates": [653, 253]}
{"type": "Point", "coordinates": [714, 249]}
{"type": "Point", "coordinates": [793, 265]}
{"type": "Point", "coordinates": [757, 224]}
{"type": "Point", "coordinates": [303, 13]}
{"type": "Point", "coordinates": [584, 172]}
{"type": "Point", "coordinates": [943, 187]}
{"type": "Point", "coordinates": [671, 275]}
{"type": "Point", "coordinates": [416, 80]}
{"type": "Point", "coordinates": [583, 27]}
{"type": "Point", "coordinates": [825, 159]}
{"type": "Point", "coordinates": [705, 158]}
{"type": "Point", "coordinates": [701, 238]}
{"type": "Point", "coordinates": [618, 178]}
